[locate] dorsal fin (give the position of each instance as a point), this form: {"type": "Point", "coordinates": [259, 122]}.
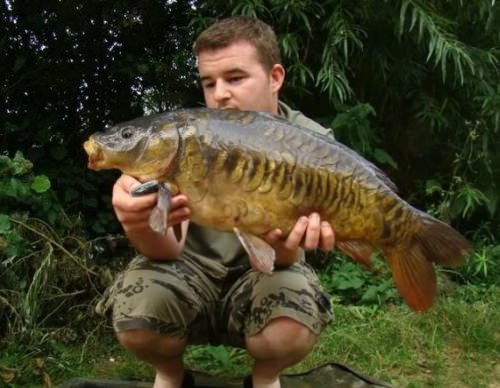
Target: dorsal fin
{"type": "Point", "coordinates": [376, 170]}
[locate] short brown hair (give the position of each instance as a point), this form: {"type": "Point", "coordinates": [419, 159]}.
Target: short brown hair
{"type": "Point", "coordinates": [241, 28]}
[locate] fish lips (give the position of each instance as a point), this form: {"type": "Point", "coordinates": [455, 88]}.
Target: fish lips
{"type": "Point", "coordinates": [95, 154]}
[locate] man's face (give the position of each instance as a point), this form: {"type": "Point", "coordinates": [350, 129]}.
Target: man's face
{"type": "Point", "coordinates": [232, 77]}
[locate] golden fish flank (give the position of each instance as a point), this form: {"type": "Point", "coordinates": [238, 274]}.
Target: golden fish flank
{"type": "Point", "coordinates": [253, 172]}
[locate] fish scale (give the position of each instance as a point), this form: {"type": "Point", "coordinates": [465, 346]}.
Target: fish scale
{"type": "Point", "coordinates": [267, 181]}
{"type": "Point", "coordinates": [253, 172]}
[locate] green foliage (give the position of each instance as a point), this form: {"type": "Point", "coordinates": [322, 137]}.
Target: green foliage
{"type": "Point", "coordinates": [352, 126]}
{"type": "Point", "coordinates": [37, 239]}
{"type": "Point", "coordinates": [21, 185]}
{"type": "Point", "coordinates": [445, 347]}
{"type": "Point", "coordinates": [226, 359]}
{"type": "Point", "coordinates": [461, 200]}
{"type": "Point", "coordinates": [350, 283]}
{"type": "Point", "coordinates": [71, 69]}
{"type": "Point", "coordinates": [47, 293]}
{"type": "Point", "coordinates": [34, 292]}
{"type": "Point", "coordinates": [24, 194]}
{"type": "Point", "coordinates": [483, 266]}
{"type": "Point", "coordinates": [434, 28]}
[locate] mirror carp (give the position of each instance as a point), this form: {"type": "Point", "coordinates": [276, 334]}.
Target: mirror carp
{"type": "Point", "coordinates": [251, 172]}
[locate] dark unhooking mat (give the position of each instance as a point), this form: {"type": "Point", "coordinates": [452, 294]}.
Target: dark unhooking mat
{"type": "Point", "coordinates": [329, 375]}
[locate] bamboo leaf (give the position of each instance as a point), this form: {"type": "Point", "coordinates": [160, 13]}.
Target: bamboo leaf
{"type": "Point", "coordinates": [402, 16]}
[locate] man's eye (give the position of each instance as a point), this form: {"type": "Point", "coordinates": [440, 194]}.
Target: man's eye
{"type": "Point", "coordinates": [235, 79]}
{"type": "Point", "coordinates": [208, 85]}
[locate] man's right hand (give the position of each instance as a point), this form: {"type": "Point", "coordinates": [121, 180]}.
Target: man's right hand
{"type": "Point", "coordinates": [133, 212]}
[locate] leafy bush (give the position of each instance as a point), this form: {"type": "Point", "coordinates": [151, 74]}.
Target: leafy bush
{"type": "Point", "coordinates": [353, 125]}
{"type": "Point", "coordinates": [24, 194]}
{"type": "Point", "coordinates": [482, 267]}
{"type": "Point", "coordinates": [351, 283]}
{"type": "Point", "coordinates": [49, 272]}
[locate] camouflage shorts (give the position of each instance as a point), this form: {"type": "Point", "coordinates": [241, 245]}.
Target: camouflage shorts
{"type": "Point", "coordinates": [188, 298]}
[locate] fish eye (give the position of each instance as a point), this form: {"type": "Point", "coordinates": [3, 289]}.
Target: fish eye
{"type": "Point", "coordinates": [127, 132]}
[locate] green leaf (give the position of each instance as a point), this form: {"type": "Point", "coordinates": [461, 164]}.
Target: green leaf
{"type": "Point", "coordinates": [16, 245]}
{"type": "Point", "coordinates": [16, 189]}
{"type": "Point", "coordinates": [370, 294]}
{"type": "Point", "coordinates": [383, 157]}
{"type": "Point", "coordinates": [221, 354]}
{"type": "Point", "coordinates": [492, 201]}
{"type": "Point", "coordinates": [433, 186]}
{"type": "Point", "coordinates": [40, 184]}
{"type": "Point", "coordinates": [4, 223]}
{"type": "Point", "coordinates": [4, 165]}
{"type": "Point", "coordinates": [20, 165]}
{"type": "Point", "coordinates": [353, 283]}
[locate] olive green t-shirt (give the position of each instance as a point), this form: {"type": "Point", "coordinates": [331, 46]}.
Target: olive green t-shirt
{"type": "Point", "coordinates": [225, 247]}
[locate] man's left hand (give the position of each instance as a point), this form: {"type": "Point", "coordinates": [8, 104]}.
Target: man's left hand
{"type": "Point", "coordinates": [308, 233]}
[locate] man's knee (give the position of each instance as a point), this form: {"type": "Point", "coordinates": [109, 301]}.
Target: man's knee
{"type": "Point", "coordinates": [140, 341]}
{"type": "Point", "coordinates": [135, 339]}
{"type": "Point", "coordinates": [281, 337]}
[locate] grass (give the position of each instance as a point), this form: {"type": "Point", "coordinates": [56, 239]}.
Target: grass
{"type": "Point", "coordinates": [455, 344]}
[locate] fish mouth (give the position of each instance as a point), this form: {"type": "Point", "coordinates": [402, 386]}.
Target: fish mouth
{"type": "Point", "coordinates": [96, 156]}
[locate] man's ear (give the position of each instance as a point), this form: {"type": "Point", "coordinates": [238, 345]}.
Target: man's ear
{"type": "Point", "coordinates": [277, 77]}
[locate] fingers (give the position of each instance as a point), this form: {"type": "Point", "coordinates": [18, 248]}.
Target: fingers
{"type": "Point", "coordinates": [327, 240]}
{"type": "Point", "coordinates": [179, 211]}
{"type": "Point", "coordinates": [311, 233]}
{"type": "Point", "coordinates": [179, 201]}
{"type": "Point", "coordinates": [298, 232]}
{"type": "Point", "coordinates": [122, 201]}
{"type": "Point", "coordinates": [133, 212]}
{"type": "Point", "coordinates": [273, 236]}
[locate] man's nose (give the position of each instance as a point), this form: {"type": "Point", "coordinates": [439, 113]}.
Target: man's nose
{"type": "Point", "coordinates": [221, 91]}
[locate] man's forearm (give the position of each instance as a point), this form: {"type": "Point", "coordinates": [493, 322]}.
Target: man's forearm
{"type": "Point", "coordinates": [156, 246]}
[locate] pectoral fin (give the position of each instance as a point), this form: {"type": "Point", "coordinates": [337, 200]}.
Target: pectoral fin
{"type": "Point", "coordinates": [159, 214]}
{"type": "Point", "coordinates": [261, 255]}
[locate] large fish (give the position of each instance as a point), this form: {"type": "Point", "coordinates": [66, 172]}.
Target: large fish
{"type": "Point", "coordinates": [252, 172]}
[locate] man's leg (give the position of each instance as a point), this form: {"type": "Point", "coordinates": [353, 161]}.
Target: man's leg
{"type": "Point", "coordinates": [279, 316]}
{"type": "Point", "coordinates": [162, 352]}
{"type": "Point", "coordinates": [281, 344]}
{"type": "Point", "coordinates": [157, 306]}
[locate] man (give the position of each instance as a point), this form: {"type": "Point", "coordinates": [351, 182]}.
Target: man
{"type": "Point", "coordinates": [201, 289]}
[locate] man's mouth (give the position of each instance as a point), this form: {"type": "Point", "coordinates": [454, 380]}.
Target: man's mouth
{"type": "Point", "coordinates": [227, 107]}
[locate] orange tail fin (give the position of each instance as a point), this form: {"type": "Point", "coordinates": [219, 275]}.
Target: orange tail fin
{"type": "Point", "coordinates": [411, 263]}
{"type": "Point", "coordinates": [414, 276]}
